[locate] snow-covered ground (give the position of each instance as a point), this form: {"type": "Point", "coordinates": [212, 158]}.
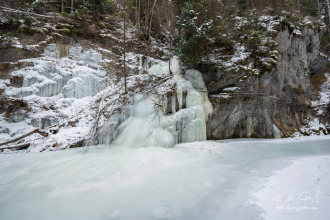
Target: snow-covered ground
{"type": "Point", "coordinates": [313, 125]}
{"type": "Point", "coordinates": [324, 96]}
{"type": "Point", "coordinates": [231, 179]}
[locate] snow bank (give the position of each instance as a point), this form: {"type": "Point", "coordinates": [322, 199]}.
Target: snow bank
{"type": "Point", "coordinates": [324, 96]}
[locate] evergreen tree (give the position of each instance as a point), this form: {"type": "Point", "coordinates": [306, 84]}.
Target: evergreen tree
{"type": "Point", "coordinates": [194, 42]}
{"type": "Point", "coordinates": [325, 11]}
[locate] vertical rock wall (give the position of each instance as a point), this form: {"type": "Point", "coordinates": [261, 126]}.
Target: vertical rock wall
{"type": "Point", "coordinates": [280, 97]}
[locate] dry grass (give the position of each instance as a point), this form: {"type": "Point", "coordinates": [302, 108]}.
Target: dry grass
{"type": "Point", "coordinates": [318, 79]}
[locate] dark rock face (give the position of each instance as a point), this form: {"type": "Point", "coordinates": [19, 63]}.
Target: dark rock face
{"type": "Point", "coordinates": [244, 116]}
{"type": "Point", "coordinates": [15, 54]}
{"type": "Point", "coordinates": [7, 67]}
{"type": "Point", "coordinates": [280, 97]}
{"type": "Point", "coordinates": [17, 116]}
{"type": "Point", "coordinates": [10, 105]}
{"type": "Point", "coordinates": [17, 81]}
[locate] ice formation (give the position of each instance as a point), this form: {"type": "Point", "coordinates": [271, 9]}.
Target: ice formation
{"type": "Point", "coordinates": [63, 92]}
{"type": "Point", "coordinates": [150, 124]}
{"type": "Point", "coordinates": [58, 91]}
{"type": "Point", "coordinates": [277, 132]}
{"type": "Point", "coordinates": [50, 76]}
{"type": "Point", "coordinates": [195, 181]}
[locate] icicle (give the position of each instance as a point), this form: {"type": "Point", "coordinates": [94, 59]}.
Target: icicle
{"type": "Point", "coordinates": [173, 104]}
{"type": "Point", "coordinates": [276, 132]}
{"type": "Point", "coordinates": [140, 65]}
{"type": "Point", "coordinates": [147, 63]}
{"type": "Point", "coordinates": [179, 95]}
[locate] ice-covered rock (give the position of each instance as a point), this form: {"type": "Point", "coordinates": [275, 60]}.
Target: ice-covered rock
{"type": "Point", "coordinates": [49, 77]}
{"type": "Point", "coordinates": [86, 57]}
{"type": "Point", "coordinates": [85, 82]}
{"type": "Point", "coordinates": [64, 93]}
{"type": "Point", "coordinates": [59, 93]}
{"type": "Point", "coordinates": [51, 51]}
{"type": "Point", "coordinates": [110, 130]}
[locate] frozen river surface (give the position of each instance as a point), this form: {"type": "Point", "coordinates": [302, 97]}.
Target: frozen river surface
{"type": "Point", "coordinates": [241, 179]}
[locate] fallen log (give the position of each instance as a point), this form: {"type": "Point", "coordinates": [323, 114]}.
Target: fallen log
{"type": "Point", "coordinates": [42, 133]}
{"type": "Point", "coordinates": [16, 147]}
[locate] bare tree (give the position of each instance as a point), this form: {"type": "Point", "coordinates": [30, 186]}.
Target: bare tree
{"type": "Point", "coordinates": [116, 101]}
{"type": "Point", "coordinates": [150, 23]}
{"type": "Point", "coordinates": [124, 69]}
{"type": "Point", "coordinates": [277, 7]}
{"type": "Point", "coordinates": [171, 28]}
{"type": "Point", "coordinates": [146, 18]}
{"type": "Point", "coordinates": [328, 3]}
{"type": "Point", "coordinates": [138, 16]}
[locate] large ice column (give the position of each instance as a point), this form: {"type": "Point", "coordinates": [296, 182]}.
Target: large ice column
{"type": "Point", "coordinates": [196, 78]}
{"type": "Point", "coordinates": [143, 127]}
{"type": "Point", "coordinates": [189, 123]}
{"type": "Point", "coordinates": [148, 126]}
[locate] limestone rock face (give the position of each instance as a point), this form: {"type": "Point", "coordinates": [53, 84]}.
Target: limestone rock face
{"type": "Point", "coordinates": [280, 97]}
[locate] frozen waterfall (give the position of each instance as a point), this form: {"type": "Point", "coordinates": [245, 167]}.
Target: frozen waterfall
{"type": "Point", "coordinates": [277, 132]}
{"type": "Point", "coordinates": [181, 118]}
{"type": "Point", "coordinates": [76, 77]}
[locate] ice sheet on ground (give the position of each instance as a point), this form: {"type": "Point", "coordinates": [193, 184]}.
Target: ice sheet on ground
{"type": "Point", "coordinates": [207, 180]}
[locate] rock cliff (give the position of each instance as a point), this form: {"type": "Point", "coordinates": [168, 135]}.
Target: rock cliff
{"type": "Point", "coordinates": [281, 96]}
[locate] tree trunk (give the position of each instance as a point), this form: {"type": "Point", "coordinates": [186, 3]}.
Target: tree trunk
{"type": "Point", "coordinates": [124, 70]}
{"type": "Point", "coordinates": [138, 17]}
{"type": "Point", "coordinates": [62, 6]}
{"type": "Point", "coordinates": [71, 6]}
{"type": "Point", "coordinates": [150, 23]}
{"type": "Point", "coordinates": [252, 4]}
{"type": "Point", "coordinates": [171, 37]}
{"type": "Point", "coordinates": [318, 7]}
{"type": "Point", "coordinates": [17, 147]}
{"type": "Point", "coordinates": [139, 12]}
{"type": "Point", "coordinates": [328, 3]}
{"type": "Point", "coordinates": [146, 19]}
